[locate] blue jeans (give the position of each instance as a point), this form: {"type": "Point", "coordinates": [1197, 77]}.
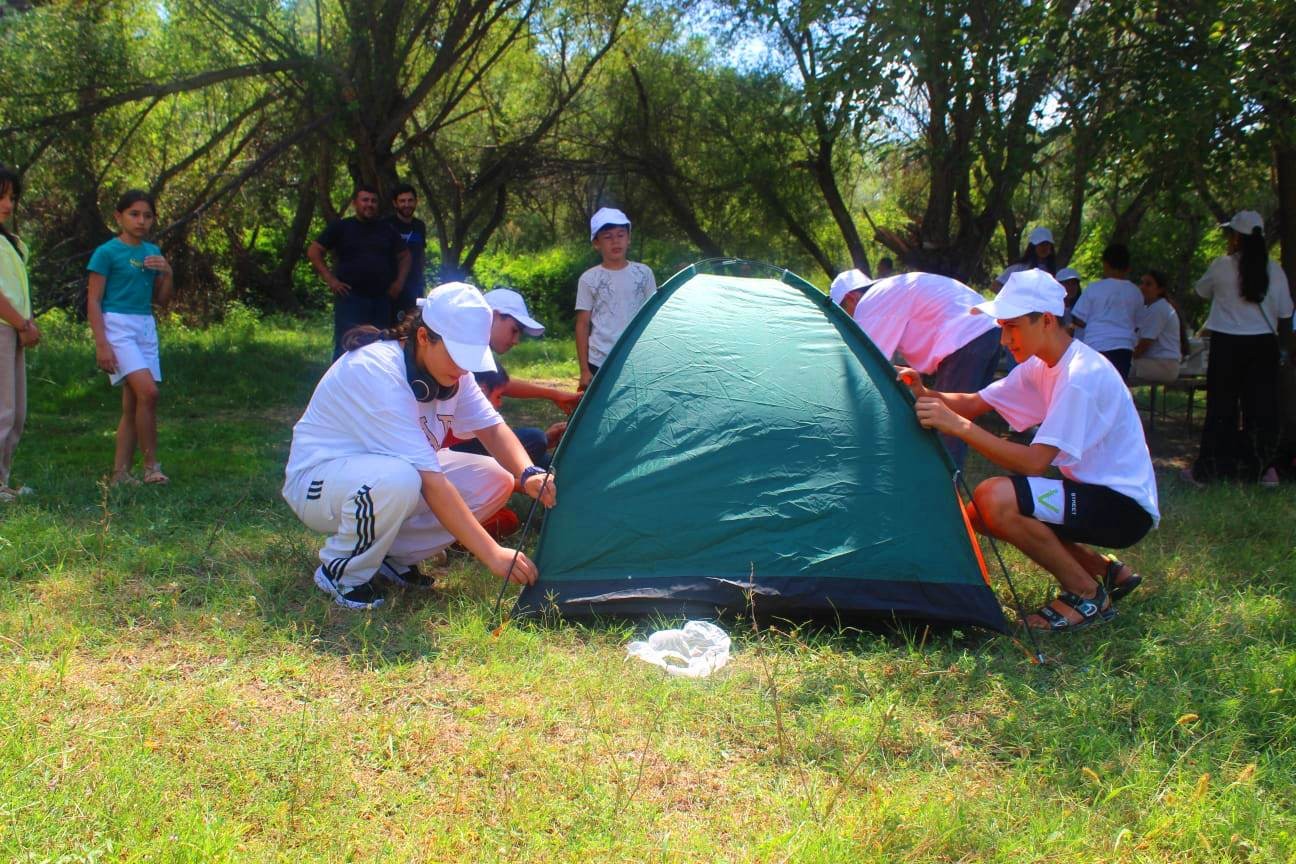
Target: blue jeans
{"type": "Point", "coordinates": [533, 440]}
{"type": "Point", "coordinates": [967, 370]}
{"type": "Point", "coordinates": [354, 309]}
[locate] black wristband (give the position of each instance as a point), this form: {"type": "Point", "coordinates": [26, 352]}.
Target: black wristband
{"type": "Point", "coordinates": [531, 471]}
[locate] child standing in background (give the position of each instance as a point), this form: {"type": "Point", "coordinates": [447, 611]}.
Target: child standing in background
{"type": "Point", "coordinates": [18, 332]}
{"type": "Point", "coordinates": [127, 275]}
{"type": "Point", "coordinates": [609, 294]}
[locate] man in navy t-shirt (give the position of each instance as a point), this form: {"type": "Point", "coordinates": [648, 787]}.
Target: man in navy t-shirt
{"type": "Point", "coordinates": [371, 265]}
{"type": "Point", "coordinates": [414, 232]}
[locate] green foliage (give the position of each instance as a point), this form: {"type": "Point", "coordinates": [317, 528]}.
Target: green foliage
{"type": "Point", "coordinates": [547, 280]}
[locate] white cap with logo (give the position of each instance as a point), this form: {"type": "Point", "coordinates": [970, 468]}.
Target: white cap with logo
{"type": "Point", "coordinates": [1025, 292]}
{"type": "Point", "coordinates": [1244, 222]}
{"type": "Point", "coordinates": [508, 302]}
{"type": "Point", "coordinates": [457, 312]}
{"type": "Point", "coordinates": [1040, 235]}
{"type": "Point", "coordinates": [846, 282]}
{"type": "Point", "coordinates": [607, 216]}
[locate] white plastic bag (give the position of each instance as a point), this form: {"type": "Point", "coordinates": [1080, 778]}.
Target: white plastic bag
{"type": "Point", "coordinates": [695, 651]}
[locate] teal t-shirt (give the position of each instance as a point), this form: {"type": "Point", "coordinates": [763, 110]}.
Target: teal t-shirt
{"type": "Point", "coordinates": [128, 287]}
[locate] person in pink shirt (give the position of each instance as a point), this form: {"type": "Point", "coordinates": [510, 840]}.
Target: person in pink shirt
{"type": "Point", "coordinates": [925, 317]}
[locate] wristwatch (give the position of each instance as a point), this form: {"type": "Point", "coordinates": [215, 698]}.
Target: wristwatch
{"type": "Point", "coordinates": [531, 471]}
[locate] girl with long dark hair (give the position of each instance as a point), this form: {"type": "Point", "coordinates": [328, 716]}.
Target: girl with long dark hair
{"type": "Point", "coordinates": [1251, 307]}
{"type": "Point", "coordinates": [1162, 339]}
{"type": "Point", "coordinates": [18, 332]}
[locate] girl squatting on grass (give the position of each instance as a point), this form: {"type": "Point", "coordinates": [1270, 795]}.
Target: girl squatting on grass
{"type": "Point", "coordinates": [18, 332]}
{"type": "Point", "coordinates": [368, 465]}
{"type": "Point", "coordinates": [127, 275]}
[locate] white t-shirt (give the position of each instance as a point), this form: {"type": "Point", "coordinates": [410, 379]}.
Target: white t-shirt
{"type": "Point", "coordinates": [1160, 323]}
{"type": "Point", "coordinates": [612, 297]}
{"type": "Point", "coordinates": [364, 405]}
{"type": "Point", "coordinates": [1084, 409]}
{"type": "Point", "coordinates": [1229, 313]}
{"type": "Point", "coordinates": [923, 316]}
{"type": "Point", "coordinates": [1108, 309]}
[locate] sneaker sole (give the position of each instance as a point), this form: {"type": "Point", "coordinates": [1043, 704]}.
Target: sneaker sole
{"type": "Point", "coordinates": [322, 582]}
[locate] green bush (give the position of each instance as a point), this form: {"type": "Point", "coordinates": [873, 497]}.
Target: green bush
{"type": "Point", "coordinates": [546, 279]}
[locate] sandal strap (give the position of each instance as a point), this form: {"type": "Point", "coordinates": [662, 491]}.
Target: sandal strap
{"type": "Point", "coordinates": [1088, 608]}
{"type": "Point", "coordinates": [1056, 620]}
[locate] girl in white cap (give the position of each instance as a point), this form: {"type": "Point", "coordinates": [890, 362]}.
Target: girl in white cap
{"type": "Point", "coordinates": [1039, 254]}
{"type": "Point", "coordinates": [1088, 428]}
{"type": "Point", "coordinates": [366, 464]}
{"type": "Point", "coordinates": [1251, 310]}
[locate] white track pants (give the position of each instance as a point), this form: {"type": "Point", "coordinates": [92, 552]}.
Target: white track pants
{"type": "Point", "coordinates": [373, 508]}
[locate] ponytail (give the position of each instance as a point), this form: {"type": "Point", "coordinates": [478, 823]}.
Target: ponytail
{"type": "Point", "coordinates": [366, 334]}
{"type": "Point", "coordinates": [1253, 266]}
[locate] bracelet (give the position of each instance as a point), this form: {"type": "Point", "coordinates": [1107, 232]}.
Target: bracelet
{"type": "Point", "coordinates": [531, 471]}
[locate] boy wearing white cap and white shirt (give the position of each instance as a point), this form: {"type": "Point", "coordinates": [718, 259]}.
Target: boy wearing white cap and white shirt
{"type": "Point", "coordinates": [1088, 427]}
{"type": "Point", "coordinates": [925, 317]}
{"type": "Point", "coordinates": [364, 465]}
{"type": "Point", "coordinates": [609, 294]}
{"type": "Point", "coordinates": [1109, 309]}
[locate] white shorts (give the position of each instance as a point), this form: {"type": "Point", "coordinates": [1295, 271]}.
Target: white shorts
{"type": "Point", "coordinates": [134, 340]}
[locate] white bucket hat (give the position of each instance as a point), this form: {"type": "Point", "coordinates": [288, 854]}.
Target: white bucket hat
{"type": "Point", "coordinates": [1025, 292]}
{"type": "Point", "coordinates": [457, 312]}
{"type": "Point", "coordinates": [508, 302]}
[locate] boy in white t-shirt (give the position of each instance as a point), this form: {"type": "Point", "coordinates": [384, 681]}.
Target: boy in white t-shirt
{"type": "Point", "coordinates": [608, 295]}
{"type": "Point", "coordinates": [1088, 427]}
{"type": "Point", "coordinates": [1108, 310]}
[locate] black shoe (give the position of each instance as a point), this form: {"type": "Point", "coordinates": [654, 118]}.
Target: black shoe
{"type": "Point", "coordinates": [406, 577]}
{"type": "Point", "coordinates": [364, 596]}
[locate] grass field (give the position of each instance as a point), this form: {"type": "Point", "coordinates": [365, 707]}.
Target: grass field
{"type": "Point", "coordinates": [173, 688]}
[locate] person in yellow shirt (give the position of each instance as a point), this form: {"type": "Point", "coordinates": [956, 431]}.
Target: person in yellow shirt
{"type": "Point", "coordinates": [18, 332]}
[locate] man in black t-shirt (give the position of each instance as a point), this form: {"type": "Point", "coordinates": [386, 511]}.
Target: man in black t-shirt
{"type": "Point", "coordinates": [414, 232]}
{"type": "Point", "coordinates": [371, 265]}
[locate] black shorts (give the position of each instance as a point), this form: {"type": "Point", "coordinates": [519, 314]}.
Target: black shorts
{"type": "Point", "coordinates": [1083, 513]}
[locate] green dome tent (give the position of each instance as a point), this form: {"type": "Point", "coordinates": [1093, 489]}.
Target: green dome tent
{"type": "Point", "coordinates": [746, 444]}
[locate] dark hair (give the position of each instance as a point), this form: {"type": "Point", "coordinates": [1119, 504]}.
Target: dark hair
{"type": "Point", "coordinates": [1163, 282]}
{"type": "Point", "coordinates": [366, 334]}
{"type": "Point", "coordinates": [1117, 255]}
{"type": "Point", "coordinates": [1032, 260]}
{"type": "Point", "coordinates": [885, 262]}
{"type": "Point", "coordinates": [1253, 266]}
{"type": "Point", "coordinates": [402, 189]}
{"type": "Point", "coordinates": [10, 182]}
{"type": "Point", "coordinates": [489, 381]}
{"type": "Point", "coordinates": [134, 196]}
{"type": "Point", "coordinates": [364, 187]}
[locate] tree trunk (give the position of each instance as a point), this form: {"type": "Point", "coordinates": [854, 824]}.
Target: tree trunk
{"type": "Point", "coordinates": [1285, 168]}
{"type": "Point", "coordinates": [827, 179]}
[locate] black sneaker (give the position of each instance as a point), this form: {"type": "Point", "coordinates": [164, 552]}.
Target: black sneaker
{"type": "Point", "coordinates": [364, 596]}
{"type": "Point", "coordinates": [406, 577]}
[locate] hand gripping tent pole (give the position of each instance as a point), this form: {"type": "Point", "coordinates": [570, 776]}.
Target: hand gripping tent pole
{"type": "Point", "coordinates": [746, 420]}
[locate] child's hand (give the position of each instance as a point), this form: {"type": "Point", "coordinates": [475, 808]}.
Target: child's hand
{"type": "Point", "coordinates": [567, 402]}
{"type": "Point", "coordinates": [29, 335]}
{"type": "Point", "coordinates": [911, 379]}
{"type": "Point", "coordinates": [585, 377]}
{"type": "Point", "coordinates": [542, 487]}
{"type": "Point", "coordinates": [105, 359]}
{"type": "Point", "coordinates": [554, 433]}
{"type": "Point", "coordinates": [933, 413]}
{"type": "Point", "coordinates": [524, 571]}
{"type": "Point", "coordinates": [158, 263]}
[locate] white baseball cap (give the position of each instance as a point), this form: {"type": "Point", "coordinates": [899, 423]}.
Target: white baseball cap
{"type": "Point", "coordinates": [606, 216]}
{"type": "Point", "coordinates": [1026, 291]}
{"type": "Point", "coordinates": [1067, 273]}
{"type": "Point", "coordinates": [846, 282]}
{"type": "Point", "coordinates": [508, 302]}
{"type": "Point", "coordinates": [1040, 235]}
{"type": "Point", "coordinates": [457, 312]}
{"type": "Point", "coordinates": [1244, 222]}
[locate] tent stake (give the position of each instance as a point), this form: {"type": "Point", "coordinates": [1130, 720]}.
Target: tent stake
{"type": "Point", "coordinates": [526, 529]}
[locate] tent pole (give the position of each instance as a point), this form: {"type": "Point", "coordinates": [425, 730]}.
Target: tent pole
{"type": "Point", "coordinates": [526, 529]}
{"type": "Point", "coordinates": [1021, 610]}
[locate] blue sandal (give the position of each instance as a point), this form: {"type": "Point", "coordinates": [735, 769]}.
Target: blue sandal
{"type": "Point", "coordinates": [1090, 610]}
{"type": "Point", "coordinates": [1117, 590]}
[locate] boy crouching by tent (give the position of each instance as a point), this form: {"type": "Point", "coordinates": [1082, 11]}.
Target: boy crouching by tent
{"type": "Point", "coordinates": [1088, 427]}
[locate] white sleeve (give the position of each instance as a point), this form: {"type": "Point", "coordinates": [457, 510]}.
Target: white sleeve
{"type": "Point", "coordinates": [1278, 283]}
{"type": "Point", "coordinates": [1070, 423]}
{"type": "Point", "coordinates": [473, 410]}
{"type": "Point", "coordinates": [1151, 320]}
{"type": "Point", "coordinates": [1016, 400]}
{"type": "Point", "coordinates": [1081, 308]}
{"type": "Point", "coordinates": [584, 293]}
{"type": "Point", "coordinates": [1220, 271]}
{"type": "Point", "coordinates": [652, 280]}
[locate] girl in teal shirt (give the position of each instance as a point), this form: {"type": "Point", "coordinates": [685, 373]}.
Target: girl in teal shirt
{"type": "Point", "coordinates": [127, 275]}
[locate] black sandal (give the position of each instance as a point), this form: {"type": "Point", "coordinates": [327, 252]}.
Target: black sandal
{"type": "Point", "coordinates": [1117, 590]}
{"type": "Point", "coordinates": [1090, 610]}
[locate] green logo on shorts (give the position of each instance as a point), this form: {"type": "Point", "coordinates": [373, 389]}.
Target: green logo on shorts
{"type": "Point", "coordinates": [1045, 500]}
